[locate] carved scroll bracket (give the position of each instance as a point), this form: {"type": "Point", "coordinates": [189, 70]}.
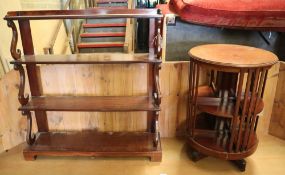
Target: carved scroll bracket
{"type": "Point", "coordinates": [30, 137]}
{"type": "Point", "coordinates": [157, 93]}
{"type": "Point", "coordinates": [21, 96]}
{"type": "Point", "coordinates": [156, 129]}
{"type": "Point", "coordinates": [16, 53]}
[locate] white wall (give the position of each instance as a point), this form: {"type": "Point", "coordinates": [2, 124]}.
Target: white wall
{"type": "Point", "coordinates": [5, 31]}
{"type": "Point", "coordinates": [42, 31]}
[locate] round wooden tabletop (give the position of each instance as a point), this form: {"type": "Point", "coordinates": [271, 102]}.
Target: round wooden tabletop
{"type": "Point", "coordinates": [233, 55]}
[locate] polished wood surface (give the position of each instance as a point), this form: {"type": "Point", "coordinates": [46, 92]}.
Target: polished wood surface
{"type": "Point", "coordinates": [83, 14]}
{"type": "Point", "coordinates": [231, 102]}
{"type": "Point", "coordinates": [40, 104]}
{"type": "Point", "coordinates": [88, 103]}
{"type": "Point", "coordinates": [98, 58]}
{"type": "Point", "coordinates": [94, 143]}
{"type": "Point", "coordinates": [233, 55]}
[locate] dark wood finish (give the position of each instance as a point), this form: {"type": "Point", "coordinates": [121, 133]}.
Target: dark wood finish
{"type": "Point", "coordinates": [89, 103]}
{"type": "Point", "coordinates": [98, 58]}
{"type": "Point", "coordinates": [86, 143]}
{"type": "Point", "coordinates": [21, 95]}
{"type": "Point", "coordinates": [34, 78]}
{"type": "Point", "coordinates": [82, 14]}
{"type": "Point", "coordinates": [240, 164]}
{"type": "Point", "coordinates": [94, 143]}
{"type": "Point", "coordinates": [228, 130]}
{"type": "Point", "coordinates": [30, 137]}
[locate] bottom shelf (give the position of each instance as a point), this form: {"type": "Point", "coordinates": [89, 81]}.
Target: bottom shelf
{"type": "Point", "coordinates": [208, 143]}
{"type": "Point", "coordinates": [94, 143]}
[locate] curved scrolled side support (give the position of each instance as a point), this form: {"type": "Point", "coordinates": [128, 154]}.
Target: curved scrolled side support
{"type": "Point", "coordinates": [156, 129]}
{"type": "Point", "coordinates": [157, 93]}
{"type": "Point", "coordinates": [16, 53]}
{"type": "Point", "coordinates": [21, 96]}
{"type": "Point", "coordinates": [30, 137]}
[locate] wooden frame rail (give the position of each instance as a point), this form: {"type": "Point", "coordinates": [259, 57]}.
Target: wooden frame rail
{"type": "Point", "coordinates": [83, 14]}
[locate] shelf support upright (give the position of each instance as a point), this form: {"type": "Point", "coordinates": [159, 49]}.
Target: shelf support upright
{"type": "Point", "coordinates": [33, 74]}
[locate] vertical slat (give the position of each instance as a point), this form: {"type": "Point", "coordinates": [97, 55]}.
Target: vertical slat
{"type": "Point", "coordinates": [250, 110]}
{"type": "Point", "coordinates": [264, 83]}
{"type": "Point", "coordinates": [262, 93]}
{"type": "Point", "coordinates": [189, 115]}
{"type": "Point", "coordinates": [258, 97]}
{"type": "Point", "coordinates": [195, 91]}
{"type": "Point", "coordinates": [244, 109]}
{"type": "Point", "coordinates": [192, 97]}
{"type": "Point", "coordinates": [33, 76]}
{"type": "Point", "coordinates": [236, 111]}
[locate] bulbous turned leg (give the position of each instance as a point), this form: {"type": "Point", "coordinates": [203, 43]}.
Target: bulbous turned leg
{"type": "Point", "coordinates": [240, 164]}
{"type": "Point", "coordinates": [30, 137]}
{"type": "Point", "coordinates": [195, 155]}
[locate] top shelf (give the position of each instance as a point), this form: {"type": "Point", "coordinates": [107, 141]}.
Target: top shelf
{"type": "Point", "coordinates": [83, 14]}
{"type": "Point", "coordinates": [97, 58]}
{"type": "Point", "coordinates": [233, 56]}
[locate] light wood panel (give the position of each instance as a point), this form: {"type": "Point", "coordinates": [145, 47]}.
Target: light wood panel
{"type": "Point", "coordinates": [277, 123]}
{"type": "Point", "coordinates": [12, 123]}
{"type": "Point", "coordinates": [108, 80]}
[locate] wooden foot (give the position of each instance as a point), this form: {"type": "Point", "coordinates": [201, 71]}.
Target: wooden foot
{"type": "Point", "coordinates": [29, 156]}
{"type": "Point", "coordinates": [240, 164]}
{"type": "Point", "coordinates": [195, 155]}
{"type": "Point", "coordinates": [156, 158]}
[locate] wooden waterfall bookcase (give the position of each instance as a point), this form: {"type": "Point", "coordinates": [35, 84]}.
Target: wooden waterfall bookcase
{"type": "Point", "coordinates": [87, 143]}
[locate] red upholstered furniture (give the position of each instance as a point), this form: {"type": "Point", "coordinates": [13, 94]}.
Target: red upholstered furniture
{"type": "Point", "coordinates": [261, 14]}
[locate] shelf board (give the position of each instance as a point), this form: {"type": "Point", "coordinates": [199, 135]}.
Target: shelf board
{"type": "Point", "coordinates": [210, 140]}
{"type": "Point", "coordinates": [216, 107]}
{"type": "Point", "coordinates": [91, 103]}
{"type": "Point", "coordinates": [98, 58]}
{"type": "Point", "coordinates": [208, 103]}
{"type": "Point", "coordinates": [94, 143]}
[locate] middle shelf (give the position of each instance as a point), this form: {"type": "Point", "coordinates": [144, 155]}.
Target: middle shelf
{"type": "Point", "coordinates": [91, 103]}
{"type": "Point", "coordinates": [98, 58]}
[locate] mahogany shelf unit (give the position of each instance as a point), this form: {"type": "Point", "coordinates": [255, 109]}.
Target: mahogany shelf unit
{"type": "Point", "coordinates": [87, 143]}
